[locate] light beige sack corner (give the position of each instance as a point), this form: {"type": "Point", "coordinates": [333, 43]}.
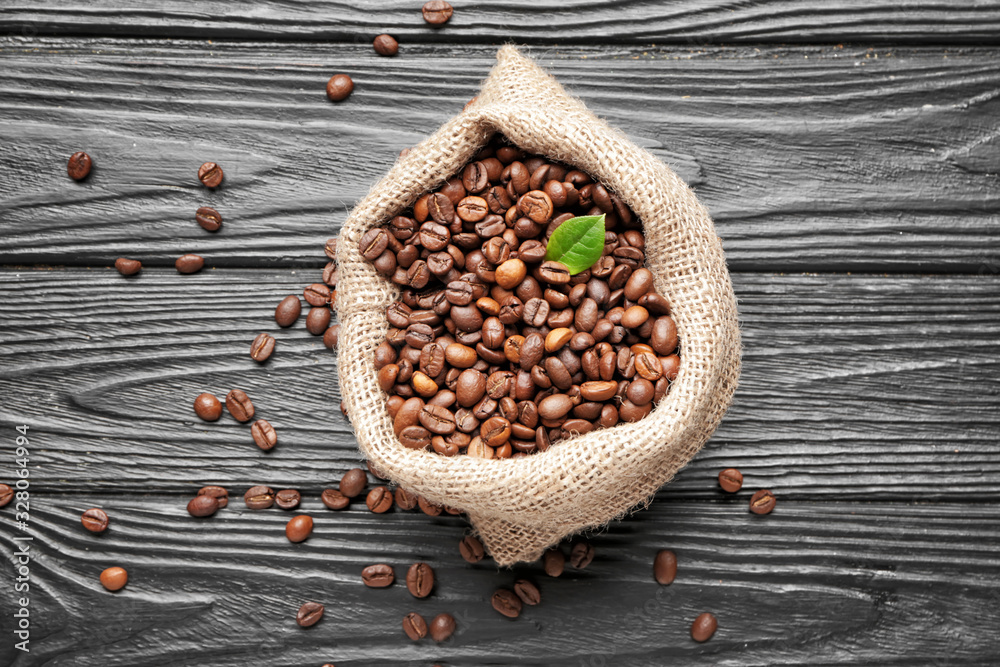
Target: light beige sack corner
{"type": "Point", "coordinates": [521, 506]}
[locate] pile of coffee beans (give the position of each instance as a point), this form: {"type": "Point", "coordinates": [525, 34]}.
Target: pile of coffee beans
{"type": "Point", "coordinates": [497, 352]}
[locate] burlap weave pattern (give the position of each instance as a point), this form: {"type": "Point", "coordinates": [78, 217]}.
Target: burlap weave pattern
{"type": "Point", "coordinates": [521, 506]}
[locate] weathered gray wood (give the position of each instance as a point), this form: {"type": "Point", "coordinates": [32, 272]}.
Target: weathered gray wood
{"type": "Point", "coordinates": [543, 22]}
{"type": "Point", "coordinates": [813, 583]}
{"type": "Point", "coordinates": [809, 158]}
{"type": "Point", "coordinates": [854, 386]}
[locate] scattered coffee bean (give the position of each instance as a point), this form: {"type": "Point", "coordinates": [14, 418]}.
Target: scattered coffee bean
{"type": "Point", "coordinates": [429, 508]}
{"type": "Point", "coordinates": [202, 506]}
{"type": "Point", "coordinates": [128, 267]}
{"type": "Point", "coordinates": [507, 603]}
{"type": "Point", "coordinates": [404, 499]}
{"type": "Point", "coordinates": [210, 175]}
{"type": "Point", "coordinates": [239, 405]}
{"type": "Point", "coordinates": [471, 549]}
{"type": "Point", "coordinates": [330, 336]}
{"type": "Point", "coordinates": [299, 528]}
{"type": "Point", "coordinates": [259, 497]}
{"type": "Point", "coordinates": [378, 576]}
{"type": "Point", "coordinates": [95, 520]}
{"type": "Point", "coordinates": [287, 499]}
{"type": "Point", "coordinates": [207, 407]}
{"type": "Point", "coordinates": [6, 495]}
{"type": "Point", "coordinates": [189, 263]}
{"type": "Point", "coordinates": [762, 502]}
{"type": "Point", "coordinates": [704, 627]}
{"type": "Point", "coordinates": [527, 591]}
{"type": "Point", "coordinates": [318, 320]}
{"type": "Point", "coordinates": [437, 12]}
{"type": "Point", "coordinates": [420, 580]}
{"type": "Point", "coordinates": [731, 480]}
{"type": "Point", "coordinates": [330, 248]}
{"type": "Point", "coordinates": [581, 554]}
{"type": "Point", "coordinates": [262, 347]}
{"type": "Point", "coordinates": [208, 218]}
{"type": "Point", "coordinates": [386, 45]}
{"type": "Point", "coordinates": [414, 626]}
{"type": "Point", "coordinates": [334, 499]}
{"type": "Point", "coordinates": [79, 166]}
{"type": "Point", "coordinates": [353, 482]}
{"type": "Point", "coordinates": [379, 500]}
{"type": "Point", "coordinates": [442, 627]}
{"type": "Point", "coordinates": [309, 614]}
{"type": "Point", "coordinates": [264, 435]}
{"type": "Point", "coordinates": [554, 562]}
{"type": "Point", "coordinates": [114, 578]}
{"type": "Point", "coordinates": [288, 311]}
{"type": "Point", "coordinates": [219, 493]}
{"type": "Point", "coordinates": [665, 567]}
{"type": "Point", "coordinates": [339, 87]}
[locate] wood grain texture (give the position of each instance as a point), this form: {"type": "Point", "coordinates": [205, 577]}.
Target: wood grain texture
{"type": "Point", "coordinates": [832, 583]}
{"type": "Point", "coordinates": [529, 21]}
{"type": "Point", "coordinates": [873, 387]}
{"type": "Point", "coordinates": [810, 159]}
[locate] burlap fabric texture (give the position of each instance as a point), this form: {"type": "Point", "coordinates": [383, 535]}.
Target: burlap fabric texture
{"type": "Point", "coordinates": [521, 506]}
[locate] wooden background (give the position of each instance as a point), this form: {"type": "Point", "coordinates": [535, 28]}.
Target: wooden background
{"type": "Point", "coordinates": [849, 153]}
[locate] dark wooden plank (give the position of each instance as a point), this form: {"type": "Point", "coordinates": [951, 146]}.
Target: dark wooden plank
{"type": "Point", "coordinates": [526, 21]}
{"type": "Point", "coordinates": [809, 158]}
{"type": "Point", "coordinates": [854, 386]}
{"type": "Point", "coordinates": [848, 583]}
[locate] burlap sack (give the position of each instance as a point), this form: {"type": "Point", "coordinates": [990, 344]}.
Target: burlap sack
{"type": "Point", "coordinates": [521, 506]}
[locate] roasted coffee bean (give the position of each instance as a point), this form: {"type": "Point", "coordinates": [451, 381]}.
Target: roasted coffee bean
{"type": "Point", "coordinates": [339, 87]}
{"type": "Point", "coordinates": [554, 273]}
{"type": "Point", "coordinates": [420, 580]}
{"type": "Point", "coordinates": [95, 520]}
{"type": "Point", "coordinates": [471, 549]}
{"type": "Point", "coordinates": [264, 435]}
{"type": "Point", "coordinates": [202, 506]}
{"type": "Point", "coordinates": [414, 626]}
{"type": "Point", "coordinates": [79, 166]}
{"type": "Point", "coordinates": [128, 267]}
{"type": "Point", "coordinates": [554, 560]}
{"type": "Point", "coordinates": [6, 495]}
{"type": "Point", "coordinates": [210, 174]}
{"type": "Point", "coordinates": [495, 431]}
{"type": "Point", "coordinates": [309, 614]}
{"type": "Point", "coordinates": [437, 12]}
{"type": "Point", "coordinates": [665, 567]}
{"type": "Point", "coordinates": [287, 499]}
{"type": "Point", "coordinates": [334, 499]}
{"type": "Point", "coordinates": [259, 498]}
{"type": "Point", "coordinates": [663, 338]}
{"type": "Point", "coordinates": [442, 627]}
{"type": "Point", "coordinates": [554, 406]}
{"type": "Point", "coordinates": [429, 508]}
{"type": "Point", "coordinates": [386, 45]}
{"type": "Point", "coordinates": [373, 243]}
{"type": "Point", "coordinates": [262, 347]}
{"type": "Point", "coordinates": [527, 591]}
{"type": "Point", "coordinates": [536, 206]}
{"type": "Point", "coordinates": [318, 320]}
{"type": "Point", "coordinates": [239, 405]}
{"type": "Point", "coordinates": [114, 578]}
{"type": "Point", "coordinates": [731, 480]}
{"type": "Point", "coordinates": [207, 407]}
{"type": "Point", "coordinates": [704, 627]}
{"type": "Point", "coordinates": [189, 263]}
{"type": "Point", "coordinates": [404, 499]}
{"type": "Point", "coordinates": [762, 502]}
{"type": "Point", "coordinates": [217, 492]}
{"type": "Point", "coordinates": [634, 317]}
{"type": "Point", "coordinates": [353, 482]}
{"type": "Point", "coordinates": [317, 294]}
{"type": "Point", "coordinates": [437, 419]}
{"type": "Point", "coordinates": [299, 528]}
{"type": "Point", "coordinates": [378, 576]}
{"type": "Point", "coordinates": [581, 554]}
{"type": "Point", "coordinates": [510, 274]}
{"type": "Point", "coordinates": [379, 500]}
{"type": "Point", "coordinates": [288, 311]}
{"type": "Point", "coordinates": [470, 387]}
{"type": "Point", "coordinates": [507, 603]}
{"type": "Point", "coordinates": [209, 219]}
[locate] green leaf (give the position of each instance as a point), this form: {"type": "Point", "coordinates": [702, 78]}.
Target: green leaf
{"type": "Point", "coordinates": [578, 243]}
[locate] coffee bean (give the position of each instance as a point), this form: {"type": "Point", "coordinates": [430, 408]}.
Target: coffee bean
{"type": "Point", "coordinates": [334, 499]}
{"type": "Point", "coordinates": [379, 500]}
{"type": "Point", "coordinates": [288, 311]}
{"type": "Point", "coordinates": [429, 508]}
{"type": "Point", "coordinates": [353, 482]}
{"type": "Point", "coordinates": [239, 405]}
{"type": "Point", "coordinates": [581, 554]}
{"type": "Point", "coordinates": [318, 320]}
{"type": "Point", "coordinates": [507, 603]}
{"type": "Point", "coordinates": [527, 591]}
{"type": "Point", "coordinates": [404, 499]}
{"type": "Point", "coordinates": [114, 578]}
{"type": "Point", "coordinates": [420, 580]}
{"type": "Point", "coordinates": [554, 273]}
{"type": "Point", "coordinates": [207, 407]}
{"type": "Point", "coordinates": [414, 626]}
{"type": "Point", "coordinates": [471, 549]}
{"type": "Point", "coordinates": [331, 336]}
{"type": "Point", "coordinates": [386, 45]}
{"type": "Point", "coordinates": [208, 218]}
{"type": "Point", "coordinates": [258, 498]}
{"type": "Point", "coordinates": [510, 274]}
{"type": "Point", "coordinates": [264, 435]}
{"type": "Point", "coordinates": [339, 87]}
{"type": "Point", "coordinates": [220, 494]}
{"type": "Point", "coordinates": [79, 166]}
{"type": "Point", "coordinates": [299, 528]}
{"type": "Point", "coordinates": [330, 248]}
{"type": "Point", "coordinates": [536, 205]}
{"type": "Point", "coordinates": [442, 627]}
{"type": "Point", "coordinates": [189, 263]}
{"type": "Point", "coordinates": [128, 267]}
{"type": "Point", "coordinates": [762, 502]}
{"type": "Point", "coordinates": [554, 561]}
{"type": "Point", "coordinates": [262, 347]}
{"type": "Point", "coordinates": [665, 567]}
{"type": "Point", "coordinates": [287, 499]}
{"type": "Point", "coordinates": [309, 614]}
{"type": "Point", "coordinates": [437, 12]}
{"type": "Point", "coordinates": [95, 520]}
{"type": "Point", "coordinates": [378, 576]}
{"type": "Point", "coordinates": [202, 506]}
{"type": "Point", "coordinates": [731, 480]}
{"type": "Point", "coordinates": [704, 627]}
{"type": "Point", "coordinates": [210, 175]}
